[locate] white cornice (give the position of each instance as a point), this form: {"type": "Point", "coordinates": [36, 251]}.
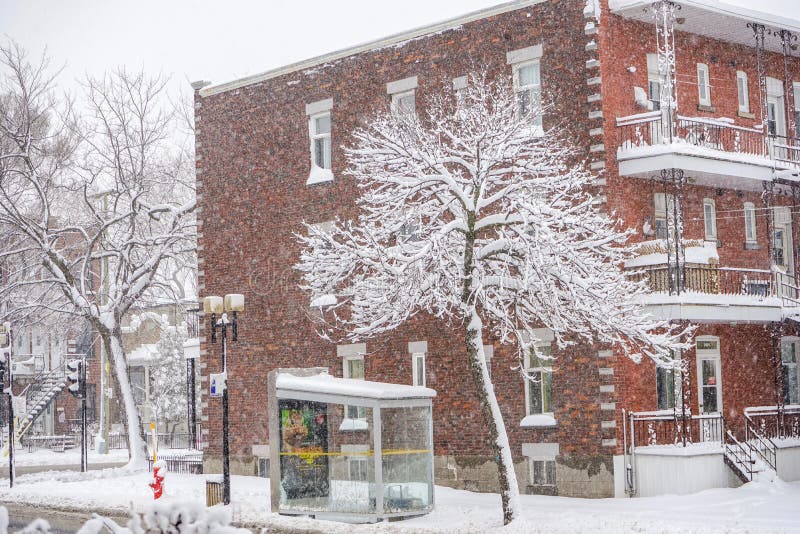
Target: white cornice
{"type": "Point", "coordinates": [371, 45]}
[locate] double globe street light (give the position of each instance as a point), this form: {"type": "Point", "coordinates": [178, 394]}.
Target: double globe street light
{"type": "Point", "coordinates": [219, 309]}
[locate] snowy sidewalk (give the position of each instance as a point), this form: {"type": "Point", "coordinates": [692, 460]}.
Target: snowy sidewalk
{"type": "Point", "coordinates": [751, 508]}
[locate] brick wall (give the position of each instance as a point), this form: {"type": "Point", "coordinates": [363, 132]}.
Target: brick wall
{"type": "Point", "coordinates": [253, 162]}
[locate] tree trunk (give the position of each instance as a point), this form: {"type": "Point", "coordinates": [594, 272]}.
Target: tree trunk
{"type": "Point", "coordinates": [498, 438]}
{"type": "Point", "coordinates": [137, 444]}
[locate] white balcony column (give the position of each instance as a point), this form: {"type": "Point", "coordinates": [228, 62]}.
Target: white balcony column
{"type": "Point", "coordinates": [664, 16]}
{"type": "Point", "coordinates": [761, 71]}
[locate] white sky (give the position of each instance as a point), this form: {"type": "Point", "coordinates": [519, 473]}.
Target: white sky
{"type": "Point", "coordinates": [221, 40]}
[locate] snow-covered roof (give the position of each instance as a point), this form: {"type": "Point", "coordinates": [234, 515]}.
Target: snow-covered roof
{"type": "Point", "coordinates": [348, 387]}
{"type": "Point", "coordinates": [391, 40]}
{"type": "Point", "coordinates": [714, 19]}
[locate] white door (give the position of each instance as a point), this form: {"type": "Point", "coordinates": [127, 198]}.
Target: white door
{"type": "Point", "coordinates": [709, 385]}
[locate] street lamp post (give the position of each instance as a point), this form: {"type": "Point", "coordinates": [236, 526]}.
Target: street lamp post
{"type": "Point", "coordinates": [219, 308]}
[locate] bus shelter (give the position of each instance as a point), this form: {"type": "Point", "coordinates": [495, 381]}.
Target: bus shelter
{"type": "Point", "coordinates": [347, 449]}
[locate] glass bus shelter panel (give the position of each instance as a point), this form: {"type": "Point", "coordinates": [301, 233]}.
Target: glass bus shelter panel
{"type": "Point", "coordinates": [324, 468]}
{"type": "Point", "coordinates": [407, 451]}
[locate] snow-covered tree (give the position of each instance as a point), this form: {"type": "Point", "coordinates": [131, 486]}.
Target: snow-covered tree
{"type": "Point", "coordinates": [98, 197]}
{"type": "Point", "coordinates": [168, 378]}
{"type": "Point", "coordinates": [472, 214]}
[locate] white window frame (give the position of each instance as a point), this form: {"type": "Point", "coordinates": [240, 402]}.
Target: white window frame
{"type": "Point", "coordinates": [535, 91]}
{"type": "Point", "coordinates": [327, 299]}
{"type": "Point", "coordinates": [348, 355]}
{"type": "Point", "coordinates": [742, 92]}
{"type": "Point", "coordinates": [710, 222]}
{"type": "Point", "coordinates": [314, 111]}
{"type": "Point", "coordinates": [750, 233]}
{"type": "Point", "coordinates": [788, 367]}
{"type": "Point", "coordinates": [548, 467]}
{"type": "Point", "coordinates": [713, 354]}
{"type": "Point", "coordinates": [540, 369]}
{"type": "Point", "coordinates": [703, 85]}
{"type": "Point", "coordinates": [315, 136]}
{"type": "Point", "coordinates": [653, 80]}
{"type": "Point", "coordinates": [663, 205]}
{"type": "Point", "coordinates": [663, 373]}
{"type": "Point", "coordinates": [796, 100]}
{"type": "Point", "coordinates": [418, 377]}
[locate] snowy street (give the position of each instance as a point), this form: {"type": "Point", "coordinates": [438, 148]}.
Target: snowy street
{"type": "Point", "coordinates": [751, 508]}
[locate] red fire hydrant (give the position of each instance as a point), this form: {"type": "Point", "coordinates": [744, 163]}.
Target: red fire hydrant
{"type": "Point", "coordinates": [157, 485]}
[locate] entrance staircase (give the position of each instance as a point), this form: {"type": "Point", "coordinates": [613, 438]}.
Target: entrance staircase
{"type": "Point", "coordinates": [753, 458]}
{"type": "Point", "coordinates": [39, 394]}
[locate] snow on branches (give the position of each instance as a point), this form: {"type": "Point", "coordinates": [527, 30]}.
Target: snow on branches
{"type": "Point", "coordinates": [471, 191]}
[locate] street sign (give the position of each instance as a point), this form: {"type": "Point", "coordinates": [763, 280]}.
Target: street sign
{"type": "Point", "coordinates": [217, 384]}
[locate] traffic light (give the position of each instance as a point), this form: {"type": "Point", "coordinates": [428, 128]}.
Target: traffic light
{"type": "Point", "coordinates": [75, 378]}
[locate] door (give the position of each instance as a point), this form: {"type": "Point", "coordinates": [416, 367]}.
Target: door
{"type": "Point", "coordinates": [709, 384]}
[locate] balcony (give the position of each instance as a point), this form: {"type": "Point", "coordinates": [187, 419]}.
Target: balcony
{"type": "Point", "coordinates": [715, 152]}
{"type": "Point", "coordinates": [703, 291]}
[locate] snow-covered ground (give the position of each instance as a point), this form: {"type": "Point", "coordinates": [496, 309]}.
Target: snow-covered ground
{"type": "Point", "coordinates": [23, 458]}
{"type": "Point", "coordinates": [755, 507]}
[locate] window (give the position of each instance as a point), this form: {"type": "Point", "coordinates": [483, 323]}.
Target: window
{"type": "Point", "coordinates": [791, 384]}
{"type": "Point", "coordinates": [405, 103]}
{"type": "Point", "coordinates": [772, 118]}
{"type": "Point", "coordinates": [796, 88]}
{"type": "Point", "coordinates": [354, 368]}
{"type": "Point", "coordinates": [664, 214]}
{"type": "Point", "coordinates": [780, 247]}
{"type": "Point", "coordinates": [539, 384]}
{"type": "Point", "coordinates": [542, 472]}
{"type": "Point", "coordinates": [527, 86]}
{"type": "Point", "coordinates": [321, 140]}
{"type": "Point", "coordinates": [703, 86]}
{"type": "Point", "coordinates": [409, 231]}
{"type": "Point", "coordinates": [319, 133]}
{"type": "Point", "coordinates": [750, 222]}
{"type": "Point", "coordinates": [418, 368]}
{"type": "Point", "coordinates": [322, 299]}
{"type": "Point", "coordinates": [668, 384]}
{"type": "Point", "coordinates": [741, 87]}
{"type": "Point", "coordinates": [710, 218]}
{"type": "Point", "coordinates": [357, 468]}
{"type": "Point", "coordinates": [653, 82]}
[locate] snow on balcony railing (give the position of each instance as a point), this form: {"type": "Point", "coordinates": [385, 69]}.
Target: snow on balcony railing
{"type": "Point", "coordinates": [707, 136]}
{"type": "Point", "coordinates": [673, 427]}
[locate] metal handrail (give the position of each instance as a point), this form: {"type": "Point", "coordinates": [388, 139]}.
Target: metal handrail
{"type": "Point", "coordinates": [740, 455]}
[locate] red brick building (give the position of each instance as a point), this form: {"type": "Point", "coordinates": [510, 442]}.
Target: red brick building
{"type": "Point", "coordinates": [709, 192]}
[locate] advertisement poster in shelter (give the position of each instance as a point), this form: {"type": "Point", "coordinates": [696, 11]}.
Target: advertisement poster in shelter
{"type": "Point", "coordinates": [304, 447]}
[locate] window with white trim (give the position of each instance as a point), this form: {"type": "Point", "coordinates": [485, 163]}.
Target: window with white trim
{"type": "Point", "coordinates": [321, 300]}
{"type": "Point", "coordinates": [796, 88]}
{"type": "Point", "coordinates": [664, 205]}
{"type": "Point", "coordinates": [418, 368]}
{"type": "Point", "coordinates": [539, 380]}
{"type": "Point", "coordinates": [319, 134]}
{"type": "Point", "coordinates": [668, 384]}
{"type": "Point", "coordinates": [410, 230]}
{"type": "Point", "coordinates": [321, 139]}
{"type": "Point", "coordinates": [653, 82]}
{"type": "Point", "coordinates": [710, 218]}
{"type": "Point", "coordinates": [703, 85]}
{"type": "Point", "coordinates": [528, 90]}
{"type": "Point", "coordinates": [791, 380]}
{"type": "Point", "coordinates": [353, 367]}
{"type": "Point", "coordinates": [405, 102]}
{"type": "Point", "coordinates": [742, 92]}
{"type": "Point", "coordinates": [750, 222]}
{"type": "Point", "coordinates": [542, 472]}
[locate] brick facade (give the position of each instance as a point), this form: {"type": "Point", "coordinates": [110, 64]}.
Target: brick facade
{"type": "Point", "coordinates": [253, 161]}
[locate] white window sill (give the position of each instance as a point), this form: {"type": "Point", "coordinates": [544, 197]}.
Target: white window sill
{"type": "Point", "coordinates": [353, 425]}
{"type": "Point", "coordinates": [319, 176]}
{"type": "Point", "coordinates": [323, 301]}
{"type": "Point", "coordinates": [538, 420]}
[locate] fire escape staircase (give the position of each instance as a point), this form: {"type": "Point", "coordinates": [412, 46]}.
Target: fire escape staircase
{"type": "Point", "coordinates": [753, 458]}
{"type": "Point", "coordinates": [39, 394]}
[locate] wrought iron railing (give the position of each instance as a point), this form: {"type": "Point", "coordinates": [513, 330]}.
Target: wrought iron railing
{"type": "Point", "coordinates": [712, 280]}
{"type": "Point", "coordinates": [649, 129]}
{"type": "Point", "coordinates": [774, 423]}
{"type": "Point", "coordinates": [191, 464]}
{"type": "Point", "coordinates": [666, 427]}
